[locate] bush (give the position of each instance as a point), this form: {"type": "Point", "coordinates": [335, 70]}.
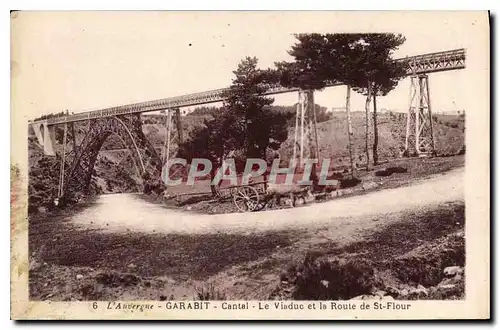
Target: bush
{"type": "Point", "coordinates": [209, 293]}
{"type": "Point", "coordinates": [382, 173]}
{"type": "Point", "coordinates": [116, 280]}
{"type": "Point", "coordinates": [349, 182]}
{"type": "Point", "coordinates": [389, 170]}
{"type": "Point", "coordinates": [337, 279]}
{"type": "Point", "coordinates": [397, 169]}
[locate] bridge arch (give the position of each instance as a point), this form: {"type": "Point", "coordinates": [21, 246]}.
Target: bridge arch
{"type": "Point", "coordinates": [128, 129]}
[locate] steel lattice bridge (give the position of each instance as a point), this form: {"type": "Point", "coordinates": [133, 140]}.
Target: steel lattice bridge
{"type": "Point", "coordinates": [124, 122]}
{"type": "Point", "coordinates": [420, 64]}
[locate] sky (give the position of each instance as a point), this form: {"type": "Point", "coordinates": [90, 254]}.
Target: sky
{"type": "Point", "coordinates": [91, 60]}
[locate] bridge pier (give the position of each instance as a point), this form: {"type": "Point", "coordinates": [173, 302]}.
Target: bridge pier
{"type": "Point", "coordinates": [60, 191]}
{"type": "Point", "coordinates": [419, 134]}
{"type": "Point", "coordinates": [298, 142]}
{"type": "Point", "coordinates": [180, 137]}
{"type": "Point", "coordinates": [306, 110]}
{"type": "Point", "coordinates": [166, 141]}
{"type": "Point", "coordinates": [45, 135]}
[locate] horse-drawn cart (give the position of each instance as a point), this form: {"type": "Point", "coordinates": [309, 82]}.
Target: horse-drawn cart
{"type": "Point", "coordinates": [247, 198]}
{"type": "Point", "coordinates": [250, 197]}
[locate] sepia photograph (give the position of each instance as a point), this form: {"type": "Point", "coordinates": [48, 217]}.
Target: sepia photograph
{"type": "Point", "coordinates": [227, 164]}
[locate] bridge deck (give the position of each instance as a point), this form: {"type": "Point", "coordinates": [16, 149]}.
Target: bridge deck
{"type": "Point", "coordinates": [419, 64]}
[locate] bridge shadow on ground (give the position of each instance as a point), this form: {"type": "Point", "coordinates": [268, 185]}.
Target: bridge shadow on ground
{"type": "Point", "coordinates": [179, 256]}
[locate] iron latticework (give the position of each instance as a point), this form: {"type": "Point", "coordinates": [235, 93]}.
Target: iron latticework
{"type": "Point", "coordinates": [128, 129]}
{"type": "Point", "coordinates": [419, 134]}
{"type": "Point", "coordinates": [306, 134]}
{"type": "Point", "coordinates": [419, 64]}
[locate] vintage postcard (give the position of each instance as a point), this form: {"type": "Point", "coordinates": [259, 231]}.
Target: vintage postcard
{"type": "Point", "coordinates": [250, 165]}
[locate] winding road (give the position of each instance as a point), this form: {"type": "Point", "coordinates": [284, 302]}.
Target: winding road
{"type": "Point", "coordinates": [127, 212]}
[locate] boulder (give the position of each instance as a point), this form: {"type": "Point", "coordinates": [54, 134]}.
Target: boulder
{"type": "Point", "coordinates": [453, 280]}
{"type": "Point", "coordinates": [392, 291]}
{"type": "Point", "coordinates": [300, 201]}
{"type": "Point", "coordinates": [422, 289]}
{"type": "Point", "coordinates": [309, 197]}
{"type": "Point", "coordinates": [418, 292]}
{"type": "Point", "coordinates": [453, 270]}
{"type": "Point", "coordinates": [42, 209]}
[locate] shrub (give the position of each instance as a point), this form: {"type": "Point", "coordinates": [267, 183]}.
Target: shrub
{"type": "Point", "coordinates": [349, 182]}
{"type": "Point", "coordinates": [389, 170]}
{"type": "Point", "coordinates": [336, 279]}
{"type": "Point", "coordinates": [382, 173]}
{"type": "Point", "coordinates": [397, 169]}
{"type": "Point", "coordinates": [209, 293]}
{"type": "Point", "coordinates": [116, 280]}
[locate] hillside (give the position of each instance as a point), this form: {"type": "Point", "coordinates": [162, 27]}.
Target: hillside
{"type": "Point", "coordinates": [333, 141]}
{"type": "Point", "coordinates": [332, 135]}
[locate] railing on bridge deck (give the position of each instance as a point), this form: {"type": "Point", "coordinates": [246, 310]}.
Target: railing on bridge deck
{"type": "Point", "coordinates": [435, 62]}
{"type": "Point", "coordinates": [419, 64]}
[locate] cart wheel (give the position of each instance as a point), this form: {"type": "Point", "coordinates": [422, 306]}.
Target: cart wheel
{"type": "Point", "coordinates": [246, 199]}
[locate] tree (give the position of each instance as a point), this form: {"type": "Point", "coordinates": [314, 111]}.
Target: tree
{"type": "Point", "coordinates": [214, 141]}
{"type": "Point", "coordinates": [321, 60]}
{"type": "Point", "coordinates": [342, 62]}
{"type": "Point", "coordinates": [244, 99]}
{"type": "Point", "coordinates": [362, 61]}
{"type": "Point", "coordinates": [306, 73]}
{"type": "Point", "coordinates": [245, 124]}
{"type": "Point", "coordinates": [376, 73]}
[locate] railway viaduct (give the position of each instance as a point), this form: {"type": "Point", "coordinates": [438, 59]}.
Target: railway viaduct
{"type": "Point", "coordinates": [125, 122]}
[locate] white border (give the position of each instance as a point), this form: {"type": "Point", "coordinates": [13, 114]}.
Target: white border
{"type": "Point", "coordinates": [184, 5]}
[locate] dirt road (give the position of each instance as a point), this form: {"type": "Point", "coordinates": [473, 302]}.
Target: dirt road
{"type": "Point", "coordinates": [126, 212]}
